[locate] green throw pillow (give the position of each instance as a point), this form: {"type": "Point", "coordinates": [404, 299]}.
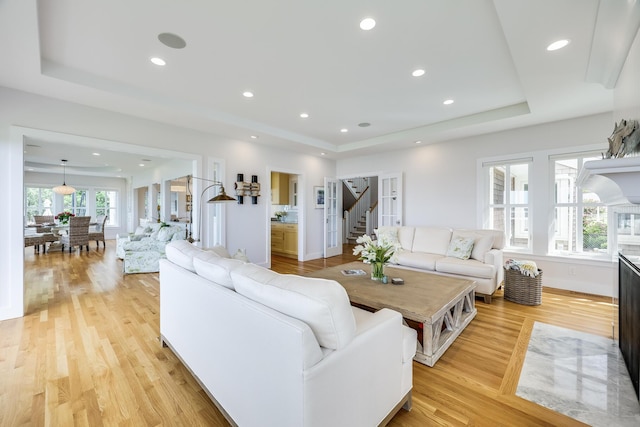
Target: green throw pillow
{"type": "Point", "coordinates": [460, 247]}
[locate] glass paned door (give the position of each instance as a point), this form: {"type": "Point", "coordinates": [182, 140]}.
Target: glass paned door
{"type": "Point", "coordinates": [390, 199]}
{"type": "Point", "coordinates": [332, 217]}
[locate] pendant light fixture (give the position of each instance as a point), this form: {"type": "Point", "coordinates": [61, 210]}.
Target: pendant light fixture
{"type": "Point", "coordinates": [64, 188]}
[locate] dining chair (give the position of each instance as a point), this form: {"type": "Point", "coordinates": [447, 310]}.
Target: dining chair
{"type": "Point", "coordinates": [78, 234]}
{"type": "Point", "coordinates": [35, 240]}
{"type": "Point", "coordinates": [98, 234]}
{"type": "Point", "coordinates": [43, 219]}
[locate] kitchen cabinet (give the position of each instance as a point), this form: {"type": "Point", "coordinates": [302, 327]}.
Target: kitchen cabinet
{"type": "Point", "coordinates": [279, 188]}
{"type": "Point", "coordinates": [284, 239]}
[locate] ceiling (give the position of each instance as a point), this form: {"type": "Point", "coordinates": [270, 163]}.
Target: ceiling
{"type": "Point", "coordinates": [295, 56]}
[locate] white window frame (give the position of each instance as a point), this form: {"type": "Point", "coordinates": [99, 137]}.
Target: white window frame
{"type": "Point", "coordinates": [509, 204]}
{"type": "Point", "coordinates": [113, 213]}
{"type": "Point", "coordinates": [579, 205]}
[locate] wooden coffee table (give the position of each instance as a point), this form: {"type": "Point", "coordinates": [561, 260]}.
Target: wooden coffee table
{"type": "Point", "coordinates": [441, 306]}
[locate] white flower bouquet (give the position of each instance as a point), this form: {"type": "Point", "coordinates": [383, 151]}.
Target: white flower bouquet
{"type": "Point", "coordinates": [376, 252]}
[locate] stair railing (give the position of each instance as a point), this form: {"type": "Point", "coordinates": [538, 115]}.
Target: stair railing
{"type": "Point", "coordinates": [372, 219]}
{"type": "Point", "coordinates": [358, 212]}
{"type": "Point", "coordinates": [357, 186]}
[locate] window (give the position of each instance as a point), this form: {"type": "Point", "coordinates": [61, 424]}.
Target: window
{"type": "Point", "coordinates": [38, 201]}
{"type": "Point", "coordinates": [580, 219]}
{"type": "Point", "coordinates": [628, 229]}
{"type": "Point", "coordinates": [508, 202]}
{"type": "Point", "coordinates": [76, 203]}
{"type": "Point", "coordinates": [107, 204]}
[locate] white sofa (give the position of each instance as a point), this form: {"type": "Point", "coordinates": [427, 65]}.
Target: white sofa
{"type": "Point", "coordinates": [430, 249]}
{"type": "Point", "coordinates": [282, 350]}
{"type": "Point", "coordinates": [142, 250]}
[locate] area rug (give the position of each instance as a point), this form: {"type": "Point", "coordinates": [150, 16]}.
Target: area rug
{"type": "Point", "coordinates": [579, 375]}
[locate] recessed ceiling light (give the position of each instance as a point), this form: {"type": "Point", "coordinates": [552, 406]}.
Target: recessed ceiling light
{"type": "Point", "coordinates": [158, 61]}
{"type": "Point", "coordinates": [344, 130]}
{"type": "Point", "coordinates": [247, 94]}
{"type": "Point", "coordinates": [322, 154]}
{"type": "Point", "coordinates": [141, 164]}
{"type": "Point", "coordinates": [96, 154]}
{"type": "Point", "coordinates": [172, 40]}
{"type": "Point", "coordinates": [558, 45]}
{"type": "Point", "coordinates": [448, 102]}
{"type": "Point", "coordinates": [417, 73]}
{"type": "Point", "coordinates": [367, 23]}
{"type": "Point", "coordinates": [254, 136]}
{"type": "Point", "coordinates": [418, 142]}
{"type": "Point", "coordinates": [304, 115]}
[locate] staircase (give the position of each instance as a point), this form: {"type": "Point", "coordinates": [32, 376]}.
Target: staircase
{"type": "Point", "coordinates": [359, 218]}
{"type": "Point", "coordinates": [358, 229]}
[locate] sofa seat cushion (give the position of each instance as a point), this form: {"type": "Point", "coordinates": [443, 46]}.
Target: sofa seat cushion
{"type": "Point", "coordinates": [322, 304]}
{"type": "Point", "coordinates": [469, 267]}
{"type": "Point", "coordinates": [146, 244]}
{"type": "Point", "coordinates": [142, 261]}
{"type": "Point", "coordinates": [217, 269]}
{"type": "Point", "coordinates": [365, 320]}
{"type": "Point", "coordinates": [418, 260]}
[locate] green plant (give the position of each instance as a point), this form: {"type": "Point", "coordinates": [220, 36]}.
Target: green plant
{"type": "Point", "coordinates": [594, 234]}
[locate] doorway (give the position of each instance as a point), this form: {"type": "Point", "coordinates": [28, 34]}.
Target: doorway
{"type": "Point", "coordinates": [285, 214]}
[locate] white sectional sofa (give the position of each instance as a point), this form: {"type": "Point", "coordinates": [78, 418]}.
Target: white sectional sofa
{"type": "Point", "coordinates": [437, 250]}
{"type": "Point", "coordinates": [282, 350]}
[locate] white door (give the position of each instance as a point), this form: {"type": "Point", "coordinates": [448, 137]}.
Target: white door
{"type": "Point", "coordinates": [390, 199]}
{"type": "Point", "coordinates": [332, 217]}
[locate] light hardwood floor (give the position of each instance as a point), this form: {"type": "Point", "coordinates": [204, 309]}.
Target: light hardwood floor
{"type": "Point", "coordinates": [87, 353]}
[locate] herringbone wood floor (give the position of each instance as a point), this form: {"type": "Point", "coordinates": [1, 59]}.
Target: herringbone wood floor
{"type": "Point", "coordinates": [87, 353]}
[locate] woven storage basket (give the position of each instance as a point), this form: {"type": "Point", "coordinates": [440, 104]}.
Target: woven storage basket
{"type": "Point", "coordinates": [522, 289]}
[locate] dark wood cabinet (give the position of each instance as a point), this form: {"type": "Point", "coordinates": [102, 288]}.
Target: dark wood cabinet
{"type": "Point", "coordinates": [629, 317]}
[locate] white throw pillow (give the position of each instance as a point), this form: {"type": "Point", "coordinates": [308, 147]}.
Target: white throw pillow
{"type": "Point", "coordinates": [388, 235]}
{"type": "Point", "coordinates": [220, 251]}
{"type": "Point", "coordinates": [217, 269]}
{"type": "Point", "coordinates": [460, 247]}
{"type": "Point", "coordinates": [481, 246]}
{"type": "Point", "coordinates": [140, 230]}
{"type": "Point", "coordinates": [241, 255]}
{"type": "Point", "coordinates": [165, 234]}
{"type": "Point", "coordinates": [322, 304]}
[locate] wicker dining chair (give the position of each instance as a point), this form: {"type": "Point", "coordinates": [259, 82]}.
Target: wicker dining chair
{"type": "Point", "coordinates": [78, 234]}
{"type": "Point", "coordinates": [98, 234]}
{"type": "Point", "coordinates": [43, 219]}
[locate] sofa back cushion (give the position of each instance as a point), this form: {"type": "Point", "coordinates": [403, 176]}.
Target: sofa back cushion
{"type": "Point", "coordinates": [484, 240]}
{"type": "Point", "coordinates": [181, 252]}
{"type": "Point", "coordinates": [432, 240]}
{"type": "Point", "coordinates": [322, 304]}
{"type": "Point", "coordinates": [217, 269]}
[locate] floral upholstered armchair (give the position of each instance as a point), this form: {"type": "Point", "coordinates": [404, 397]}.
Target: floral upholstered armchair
{"type": "Point", "coordinates": [141, 252]}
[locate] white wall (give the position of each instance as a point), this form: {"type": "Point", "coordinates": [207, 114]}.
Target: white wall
{"type": "Point", "coordinates": [247, 225]}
